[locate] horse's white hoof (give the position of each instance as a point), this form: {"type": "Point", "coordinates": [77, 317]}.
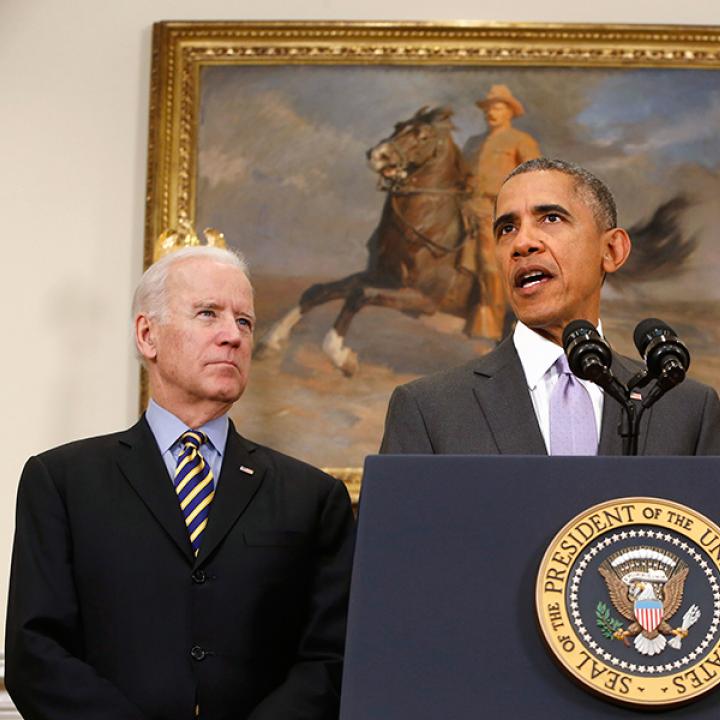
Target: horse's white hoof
{"type": "Point", "coordinates": [350, 365]}
{"type": "Point", "coordinates": [271, 342]}
{"type": "Point", "coordinates": [342, 357]}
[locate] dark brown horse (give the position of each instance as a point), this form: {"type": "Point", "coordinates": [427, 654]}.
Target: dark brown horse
{"type": "Point", "coordinates": [412, 265]}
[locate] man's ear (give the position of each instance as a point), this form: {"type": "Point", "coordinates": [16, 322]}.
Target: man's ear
{"type": "Point", "coordinates": [617, 249]}
{"type": "Point", "coordinates": [144, 337]}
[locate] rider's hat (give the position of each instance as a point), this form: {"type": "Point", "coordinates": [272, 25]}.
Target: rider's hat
{"type": "Point", "coordinates": [501, 93]}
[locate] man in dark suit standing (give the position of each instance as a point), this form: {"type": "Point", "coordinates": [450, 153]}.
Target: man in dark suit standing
{"type": "Point", "coordinates": [177, 570]}
{"type": "Point", "coordinates": [556, 239]}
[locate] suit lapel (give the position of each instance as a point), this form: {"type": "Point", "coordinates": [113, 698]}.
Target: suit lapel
{"type": "Point", "coordinates": [142, 465]}
{"type": "Point", "coordinates": [610, 440]}
{"type": "Point", "coordinates": [236, 488]}
{"type": "Point", "coordinates": [501, 390]}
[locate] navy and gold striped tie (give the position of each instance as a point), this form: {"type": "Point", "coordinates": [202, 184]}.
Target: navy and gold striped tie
{"type": "Point", "coordinates": [194, 485]}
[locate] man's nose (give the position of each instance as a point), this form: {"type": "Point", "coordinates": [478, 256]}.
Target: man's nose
{"type": "Point", "coordinates": [526, 242]}
{"type": "Point", "coordinates": [230, 333]}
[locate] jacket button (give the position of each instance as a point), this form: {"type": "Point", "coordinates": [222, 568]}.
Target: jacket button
{"type": "Point", "coordinates": [199, 576]}
{"type": "Point", "coordinates": [197, 653]}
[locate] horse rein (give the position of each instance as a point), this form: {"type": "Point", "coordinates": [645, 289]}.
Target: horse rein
{"type": "Point", "coordinates": [433, 247]}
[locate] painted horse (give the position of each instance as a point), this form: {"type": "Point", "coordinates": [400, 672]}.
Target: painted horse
{"type": "Point", "coordinates": [413, 252]}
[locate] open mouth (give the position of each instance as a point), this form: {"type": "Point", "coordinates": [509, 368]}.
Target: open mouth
{"type": "Point", "coordinates": [531, 278]}
{"type": "Point", "coordinates": [393, 172]}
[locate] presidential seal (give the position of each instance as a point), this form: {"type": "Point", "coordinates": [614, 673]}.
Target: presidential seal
{"type": "Point", "coordinates": [628, 599]}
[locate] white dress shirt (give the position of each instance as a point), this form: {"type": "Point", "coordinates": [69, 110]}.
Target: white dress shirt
{"type": "Point", "coordinates": [538, 356]}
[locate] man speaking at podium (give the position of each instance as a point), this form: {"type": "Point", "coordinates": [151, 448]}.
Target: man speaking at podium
{"type": "Point", "coordinates": [556, 238]}
{"type": "Point", "coordinates": [177, 570]}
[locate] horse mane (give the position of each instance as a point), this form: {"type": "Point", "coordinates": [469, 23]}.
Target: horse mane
{"type": "Point", "coordinates": [439, 117]}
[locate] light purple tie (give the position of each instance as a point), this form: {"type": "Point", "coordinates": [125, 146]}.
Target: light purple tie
{"type": "Point", "coordinates": [572, 419]}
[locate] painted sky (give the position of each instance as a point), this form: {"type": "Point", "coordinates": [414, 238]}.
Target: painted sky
{"type": "Point", "coordinates": [282, 168]}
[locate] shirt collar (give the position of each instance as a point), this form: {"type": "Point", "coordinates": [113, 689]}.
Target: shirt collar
{"type": "Point", "coordinates": [537, 354]}
{"type": "Point", "coordinates": [167, 428]}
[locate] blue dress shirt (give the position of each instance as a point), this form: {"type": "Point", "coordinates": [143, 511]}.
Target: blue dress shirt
{"type": "Point", "coordinates": [167, 429]}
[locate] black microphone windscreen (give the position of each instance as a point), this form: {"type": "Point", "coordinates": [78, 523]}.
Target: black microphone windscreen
{"type": "Point", "coordinates": [646, 330]}
{"type": "Point", "coordinates": [575, 328]}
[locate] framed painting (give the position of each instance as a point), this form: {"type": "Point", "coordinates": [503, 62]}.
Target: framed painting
{"type": "Point", "coordinates": [295, 140]}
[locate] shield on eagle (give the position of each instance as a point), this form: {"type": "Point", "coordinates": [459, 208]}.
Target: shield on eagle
{"type": "Point", "coordinates": [649, 613]}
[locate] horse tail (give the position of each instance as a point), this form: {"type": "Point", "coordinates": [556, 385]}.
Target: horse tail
{"type": "Point", "coordinates": [660, 246]}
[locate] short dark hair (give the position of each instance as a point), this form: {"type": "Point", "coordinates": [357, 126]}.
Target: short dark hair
{"type": "Point", "coordinates": [600, 198]}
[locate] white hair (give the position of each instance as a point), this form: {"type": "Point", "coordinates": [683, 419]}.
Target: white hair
{"type": "Point", "coordinates": [150, 297]}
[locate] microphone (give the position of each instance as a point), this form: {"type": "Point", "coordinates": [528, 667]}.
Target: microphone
{"type": "Point", "coordinates": [666, 357]}
{"type": "Point", "coordinates": [590, 358]}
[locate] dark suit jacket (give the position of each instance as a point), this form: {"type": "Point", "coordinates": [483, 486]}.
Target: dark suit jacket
{"type": "Point", "coordinates": [484, 408]}
{"type": "Point", "coordinates": [111, 616]}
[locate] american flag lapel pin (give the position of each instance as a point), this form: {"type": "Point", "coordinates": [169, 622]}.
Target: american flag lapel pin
{"type": "Point", "coordinates": [635, 396]}
{"type": "Point", "coordinates": [247, 470]}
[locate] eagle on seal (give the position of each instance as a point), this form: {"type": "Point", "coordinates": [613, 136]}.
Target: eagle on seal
{"type": "Point", "coordinates": [646, 587]}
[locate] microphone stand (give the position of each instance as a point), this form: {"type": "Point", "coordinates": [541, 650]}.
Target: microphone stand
{"type": "Point", "coordinates": [630, 424]}
{"type": "Point", "coordinates": [629, 427]}
{"type": "Point", "coordinates": [630, 420]}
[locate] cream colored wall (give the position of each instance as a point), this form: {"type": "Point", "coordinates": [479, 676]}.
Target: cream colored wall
{"type": "Point", "coordinates": [73, 118]}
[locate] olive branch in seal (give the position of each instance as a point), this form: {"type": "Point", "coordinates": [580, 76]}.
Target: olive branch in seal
{"type": "Point", "coordinates": [605, 621]}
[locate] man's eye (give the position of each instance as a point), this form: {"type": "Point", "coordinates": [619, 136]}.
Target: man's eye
{"type": "Point", "coordinates": [553, 218]}
{"type": "Point", "coordinates": [505, 229]}
{"type": "Point", "coordinates": [245, 323]}
{"type": "Point", "coordinates": [207, 313]}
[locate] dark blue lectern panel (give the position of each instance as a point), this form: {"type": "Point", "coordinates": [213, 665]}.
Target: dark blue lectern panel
{"type": "Point", "coordinates": [442, 614]}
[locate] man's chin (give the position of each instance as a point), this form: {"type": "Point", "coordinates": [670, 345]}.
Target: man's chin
{"type": "Point", "coordinates": [227, 392]}
{"type": "Point", "coordinates": [545, 325]}
{"type": "Point", "coordinates": [534, 319]}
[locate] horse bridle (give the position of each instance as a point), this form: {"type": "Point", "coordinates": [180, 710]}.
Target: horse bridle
{"type": "Point", "coordinates": [404, 162]}
{"type": "Point", "coordinates": [435, 248]}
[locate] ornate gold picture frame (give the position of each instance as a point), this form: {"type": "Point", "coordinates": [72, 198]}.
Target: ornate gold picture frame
{"type": "Point", "coordinates": [259, 129]}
